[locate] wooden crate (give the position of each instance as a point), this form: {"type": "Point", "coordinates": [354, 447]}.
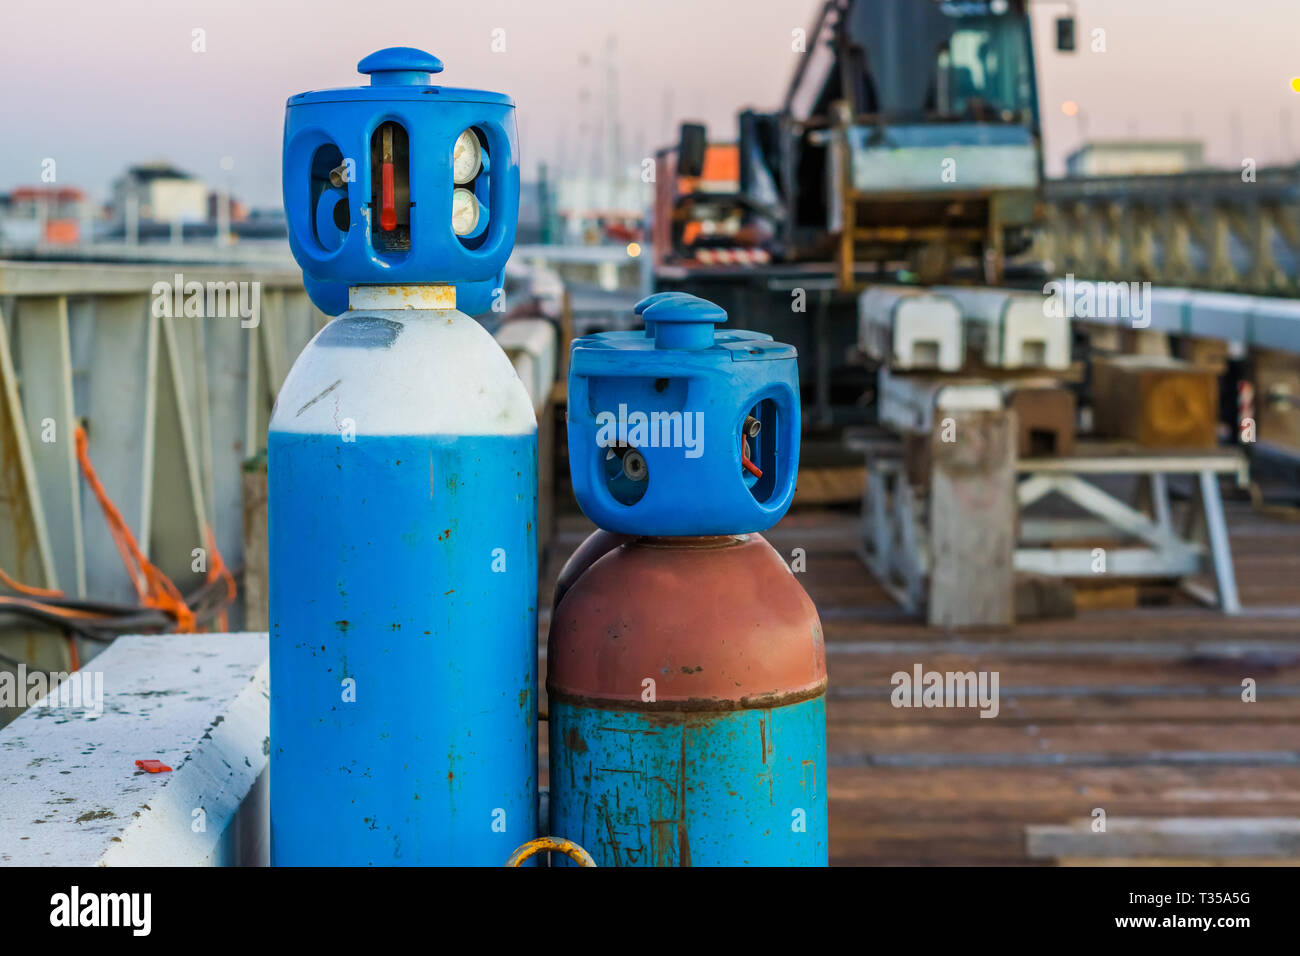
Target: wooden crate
{"type": "Point", "coordinates": [1045, 416]}
{"type": "Point", "coordinates": [1277, 398]}
{"type": "Point", "coordinates": [1156, 402]}
{"type": "Point", "coordinates": [1207, 353]}
{"type": "Point", "coordinates": [829, 485]}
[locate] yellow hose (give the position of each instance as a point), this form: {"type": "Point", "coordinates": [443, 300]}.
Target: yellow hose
{"type": "Point", "coordinates": [551, 844]}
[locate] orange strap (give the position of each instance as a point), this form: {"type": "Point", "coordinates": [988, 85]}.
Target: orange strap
{"type": "Point", "coordinates": [154, 588]}
{"type": "Point", "coordinates": [13, 585]}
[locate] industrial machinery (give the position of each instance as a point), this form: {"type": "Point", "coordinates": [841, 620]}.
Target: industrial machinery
{"type": "Point", "coordinates": [908, 142]}
{"type": "Point", "coordinates": [402, 488]}
{"type": "Point", "coordinates": [686, 664]}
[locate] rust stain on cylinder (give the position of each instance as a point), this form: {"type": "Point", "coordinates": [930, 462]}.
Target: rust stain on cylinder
{"type": "Point", "coordinates": [573, 740]}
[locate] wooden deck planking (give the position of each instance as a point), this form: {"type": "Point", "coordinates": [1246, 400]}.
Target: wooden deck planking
{"type": "Point", "coordinates": [1136, 711]}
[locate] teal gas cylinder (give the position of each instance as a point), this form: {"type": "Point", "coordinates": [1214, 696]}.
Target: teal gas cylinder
{"type": "Point", "coordinates": [686, 664]}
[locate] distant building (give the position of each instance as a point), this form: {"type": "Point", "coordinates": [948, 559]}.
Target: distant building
{"type": "Point", "coordinates": [49, 215]}
{"type": "Point", "coordinates": [262, 224]}
{"type": "Point", "coordinates": [1135, 158]}
{"type": "Point", "coordinates": [238, 210]}
{"type": "Point", "coordinates": [589, 205]}
{"type": "Point", "coordinates": [161, 193]}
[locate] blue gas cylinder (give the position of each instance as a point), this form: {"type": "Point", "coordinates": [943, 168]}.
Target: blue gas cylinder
{"type": "Point", "coordinates": [686, 666]}
{"type": "Point", "coordinates": [402, 488]}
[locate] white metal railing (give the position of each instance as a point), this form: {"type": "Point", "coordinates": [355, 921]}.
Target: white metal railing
{"type": "Point", "coordinates": [172, 401]}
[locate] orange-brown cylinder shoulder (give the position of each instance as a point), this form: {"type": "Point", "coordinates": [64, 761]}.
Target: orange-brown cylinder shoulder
{"type": "Point", "coordinates": [714, 623]}
{"type": "Point", "coordinates": [597, 544]}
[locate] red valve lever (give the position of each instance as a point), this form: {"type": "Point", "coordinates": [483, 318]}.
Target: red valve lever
{"type": "Point", "coordinates": [388, 208]}
{"type": "Point", "coordinates": [750, 467]}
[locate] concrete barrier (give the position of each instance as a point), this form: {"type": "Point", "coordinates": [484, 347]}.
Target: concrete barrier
{"type": "Point", "coordinates": [72, 795]}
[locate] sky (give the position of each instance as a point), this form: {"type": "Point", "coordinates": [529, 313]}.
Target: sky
{"type": "Point", "coordinates": [98, 85]}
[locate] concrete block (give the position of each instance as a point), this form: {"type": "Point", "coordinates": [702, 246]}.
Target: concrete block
{"type": "Point", "coordinates": [72, 795]}
{"type": "Point", "coordinates": [1012, 329]}
{"type": "Point", "coordinates": [908, 329]}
